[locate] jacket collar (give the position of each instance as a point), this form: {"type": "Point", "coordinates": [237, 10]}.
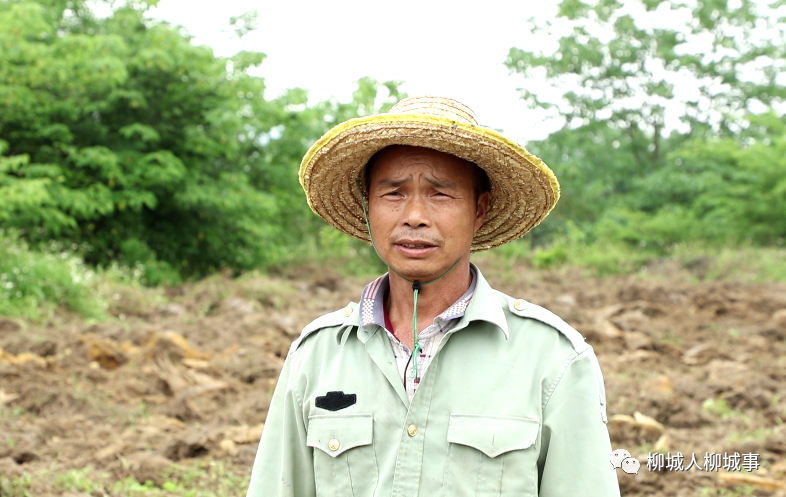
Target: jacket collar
{"type": "Point", "coordinates": [484, 306]}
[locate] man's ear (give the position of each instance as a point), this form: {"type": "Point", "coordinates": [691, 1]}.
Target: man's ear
{"type": "Point", "coordinates": [483, 206]}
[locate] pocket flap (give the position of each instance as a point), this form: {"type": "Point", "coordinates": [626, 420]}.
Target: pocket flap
{"type": "Point", "coordinates": [335, 434]}
{"type": "Point", "coordinates": [492, 435]}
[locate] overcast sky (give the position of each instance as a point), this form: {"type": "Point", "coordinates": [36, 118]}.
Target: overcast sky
{"type": "Point", "coordinates": [436, 47]}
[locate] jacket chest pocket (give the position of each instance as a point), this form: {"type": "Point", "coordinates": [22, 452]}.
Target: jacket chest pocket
{"type": "Point", "coordinates": [491, 456]}
{"type": "Point", "coordinates": [344, 459]}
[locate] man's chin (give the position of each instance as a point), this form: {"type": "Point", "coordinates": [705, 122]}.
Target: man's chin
{"type": "Point", "coordinates": [422, 270]}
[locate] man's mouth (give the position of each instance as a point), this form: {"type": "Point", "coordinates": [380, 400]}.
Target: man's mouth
{"type": "Point", "coordinates": [415, 248]}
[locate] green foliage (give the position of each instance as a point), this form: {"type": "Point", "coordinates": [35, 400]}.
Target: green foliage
{"type": "Point", "coordinates": [612, 257]}
{"type": "Point", "coordinates": [355, 258]}
{"type": "Point", "coordinates": [755, 264]}
{"type": "Point", "coordinates": [126, 137]}
{"type": "Point", "coordinates": [119, 135]}
{"type": "Point", "coordinates": [719, 408]}
{"type": "Point", "coordinates": [549, 257]}
{"type": "Point", "coordinates": [17, 486]}
{"type": "Point", "coordinates": [299, 125]}
{"type": "Point", "coordinates": [717, 177]}
{"type": "Point", "coordinates": [722, 190]}
{"type": "Point", "coordinates": [244, 23]}
{"type": "Point", "coordinates": [747, 196]}
{"type": "Point", "coordinates": [736, 491]}
{"type": "Point", "coordinates": [33, 284]}
{"type": "Point", "coordinates": [756, 436]}
{"type": "Point", "coordinates": [620, 63]}
{"type": "Point", "coordinates": [214, 480]}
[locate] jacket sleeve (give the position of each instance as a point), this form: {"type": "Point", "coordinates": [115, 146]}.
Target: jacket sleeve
{"type": "Point", "coordinates": [284, 464]}
{"type": "Point", "coordinates": [575, 447]}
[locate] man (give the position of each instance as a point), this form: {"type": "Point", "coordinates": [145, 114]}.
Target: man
{"type": "Point", "coordinates": [435, 384]}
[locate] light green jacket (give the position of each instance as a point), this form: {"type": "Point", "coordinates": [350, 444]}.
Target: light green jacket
{"type": "Point", "coordinates": [513, 404]}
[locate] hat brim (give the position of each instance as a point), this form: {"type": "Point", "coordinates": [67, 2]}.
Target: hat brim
{"type": "Point", "coordinates": [523, 188]}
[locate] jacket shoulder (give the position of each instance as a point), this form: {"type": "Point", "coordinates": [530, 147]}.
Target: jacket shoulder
{"type": "Point", "coordinates": [330, 320]}
{"type": "Point", "coordinates": [527, 310]}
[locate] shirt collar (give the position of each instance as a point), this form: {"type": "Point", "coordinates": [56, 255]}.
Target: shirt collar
{"type": "Point", "coordinates": [372, 301]}
{"type": "Point", "coordinates": [485, 304]}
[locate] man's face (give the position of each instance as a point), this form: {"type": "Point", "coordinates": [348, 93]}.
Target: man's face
{"type": "Point", "coordinates": [423, 210]}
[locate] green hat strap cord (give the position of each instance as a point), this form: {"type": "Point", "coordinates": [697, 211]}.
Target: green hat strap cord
{"type": "Point", "coordinates": [416, 286]}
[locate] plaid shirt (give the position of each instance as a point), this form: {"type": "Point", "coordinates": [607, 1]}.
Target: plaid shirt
{"type": "Point", "coordinates": [373, 312]}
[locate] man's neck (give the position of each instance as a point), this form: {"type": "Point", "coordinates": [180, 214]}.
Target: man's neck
{"type": "Point", "coordinates": [433, 299]}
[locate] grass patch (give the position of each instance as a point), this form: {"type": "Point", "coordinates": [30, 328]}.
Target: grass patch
{"type": "Point", "coordinates": [610, 258]}
{"type": "Point", "coordinates": [673, 340]}
{"type": "Point", "coordinates": [649, 448]}
{"type": "Point", "coordinates": [208, 480]}
{"type": "Point", "coordinates": [719, 408]}
{"type": "Point", "coordinates": [331, 248]}
{"type": "Point", "coordinates": [738, 491]}
{"type": "Point", "coordinates": [18, 486]}
{"type": "Point", "coordinates": [757, 435]}
{"type": "Point", "coordinates": [746, 263]}
{"type": "Point", "coordinates": [34, 284]}
{"type": "Point", "coordinates": [254, 286]}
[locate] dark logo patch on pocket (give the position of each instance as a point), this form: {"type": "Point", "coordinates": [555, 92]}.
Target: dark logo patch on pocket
{"type": "Point", "coordinates": [335, 401]}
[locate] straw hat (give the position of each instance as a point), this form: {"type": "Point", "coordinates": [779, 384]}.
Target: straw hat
{"type": "Point", "coordinates": [523, 188]}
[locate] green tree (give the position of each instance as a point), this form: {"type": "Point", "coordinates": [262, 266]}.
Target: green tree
{"type": "Point", "coordinates": [622, 61]}
{"type": "Point", "coordinates": [743, 193]}
{"type": "Point", "coordinates": [298, 126]}
{"type": "Point", "coordinates": [119, 135]}
{"type": "Point", "coordinates": [660, 99]}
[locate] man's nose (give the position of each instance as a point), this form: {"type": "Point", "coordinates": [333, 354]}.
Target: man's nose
{"type": "Point", "coordinates": [416, 212]}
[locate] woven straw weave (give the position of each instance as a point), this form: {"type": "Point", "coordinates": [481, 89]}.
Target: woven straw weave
{"type": "Point", "coordinates": [523, 188]}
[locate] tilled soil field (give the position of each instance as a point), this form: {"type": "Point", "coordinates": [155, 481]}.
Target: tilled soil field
{"type": "Point", "coordinates": [184, 376]}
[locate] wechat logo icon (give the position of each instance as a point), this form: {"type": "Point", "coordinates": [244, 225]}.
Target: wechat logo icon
{"type": "Point", "coordinates": [622, 459]}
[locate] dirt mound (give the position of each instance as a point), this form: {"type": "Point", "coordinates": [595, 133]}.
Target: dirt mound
{"type": "Point", "coordinates": [186, 375]}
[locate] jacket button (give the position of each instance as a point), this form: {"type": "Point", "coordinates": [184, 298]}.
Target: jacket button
{"type": "Point", "coordinates": [412, 430]}
{"type": "Point", "coordinates": [348, 311]}
{"type": "Point", "coordinates": [519, 305]}
{"type": "Point", "coordinates": [333, 444]}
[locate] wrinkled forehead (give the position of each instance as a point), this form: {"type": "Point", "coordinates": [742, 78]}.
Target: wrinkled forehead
{"type": "Point", "coordinates": [402, 160]}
